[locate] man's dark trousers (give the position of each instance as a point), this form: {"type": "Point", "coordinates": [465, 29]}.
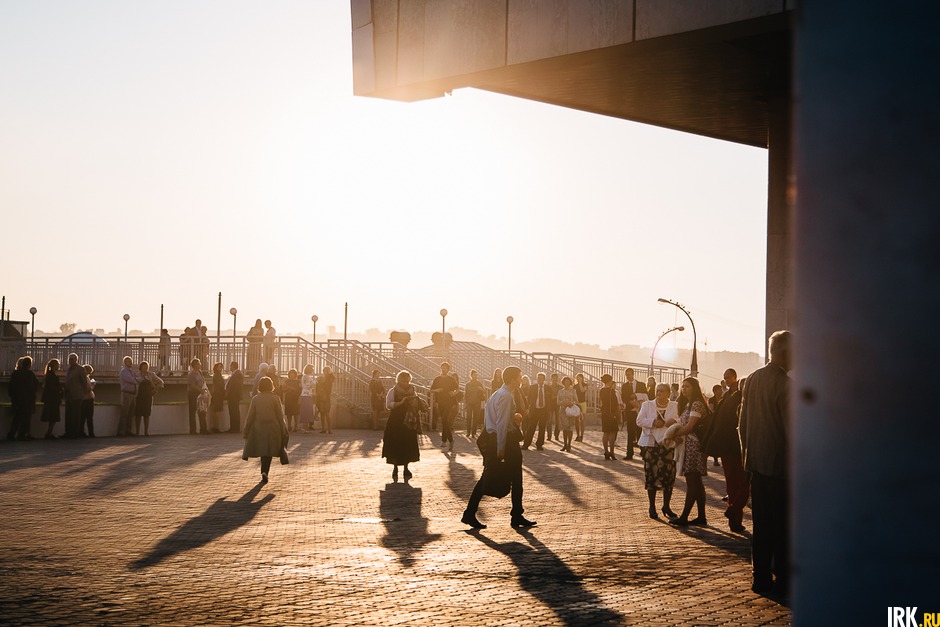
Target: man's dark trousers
{"type": "Point", "coordinates": [513, 460]}
{"type": "Point", "coordinates": [234, 415]}
{"type": "Point", "coordinates": [537, 419]}
{"type": "Point", "coordinates": [769, 542]}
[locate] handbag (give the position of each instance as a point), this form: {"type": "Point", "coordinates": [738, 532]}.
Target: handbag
{"type": "Point", "coordinates": [496, 480]}
{"type": "Point", "coordinates": [701, 427]}
{"type": "Point", "coordinates": [573, 411]}
{"type": "Point", "coordinates": [283, 457]}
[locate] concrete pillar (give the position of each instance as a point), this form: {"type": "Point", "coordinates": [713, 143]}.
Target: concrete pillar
{"type": "Point", "coordinates": [867, 291]}
{"type": "Point", "coordinates": [778, 290]}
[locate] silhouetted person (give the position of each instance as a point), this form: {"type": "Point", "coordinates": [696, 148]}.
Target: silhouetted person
{"type": "Point", "coordinates": [445, 388]}
{"type": "Point", "coordinates": [163, 350]}
{"type": "Point", "coordinates": [500, 446]}
{"type": "Point", "coordinates": [540, 399]}
{"type": "Point", "coordinates": [254, 337]}
{"type": "Point", "coordinates": [633, 394]}
{"type": "Point", "coordinates": [474, 399]}
{"type": "Point", "coordinates": [129, 381]}
{"type": "Point", "coordinates": [765, 442]}
{"type": "Point", "coordinates": [610, 415]}
{"type": "Point", "coordinates": [265, 430]}
{"type": "Point", "coordinates": [149, 385]}
{"type": "Point", "coordinates": [400, 440]}
{"type": "Point", "coordinates": [324, 393]}
{"type": "Point", "coordinates": [581, 389]}
{"type": "Point", "coordinates": [217, 400]}
{"type": "Point", "coordinates": [22, 389]}
{"type": "Point", "coordinates": [567, 403]}
{"type": "Point", "coordinates": [88, 404]}
{"type": "Point", "coordinates": [51, 397]}
{"type": "Point", "coordinates": [308, 394]}
{"type": "Point", "coordinates": [722, 440]}
{"type": "Point", "coordinates": [195, 383]}
{"type": "Point", "coordinates": [291, 390]}
{"type": "Point", "coordinates": [270, 341]}
{"type": "Point", "coordinates": [233, 395]}
{"type": "Point", "coordinates": [376, 398]}
{"type": "Point", "coordinates": [554, 423]}
{"type": "Point", "coordinates": [76, 387]}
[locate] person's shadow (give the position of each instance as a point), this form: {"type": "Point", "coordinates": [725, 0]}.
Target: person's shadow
{"type": "Point", "coordinates": [221, 518]}
{"type": "Point", "coordinates": [547, 578]}
{"type": "Point", "coordinates": [406, 530]}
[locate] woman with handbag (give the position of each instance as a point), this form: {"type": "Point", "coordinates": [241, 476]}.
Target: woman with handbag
{"type": "Point", "coordinates": [659, 464]}
{"type": "Point", "coordinates": [400, 440]}
{"type": "Point", "coordinates": [693, 412]}
{"type": "Point", "coordinates": [568, 410]}
{"type": "Point", "coordinates": [265, 430]}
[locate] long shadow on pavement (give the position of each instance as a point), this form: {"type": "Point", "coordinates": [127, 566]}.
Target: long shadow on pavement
{"type": "Point", "coordinates": [546, 577]}
{"type": "Point", "coordinates": [221, 518]}
{"type": "Point", "coordinates": [406, 529]}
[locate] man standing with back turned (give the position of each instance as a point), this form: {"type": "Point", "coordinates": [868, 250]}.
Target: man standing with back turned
{"type": "Point", "coordinates": [500, 425]}
{"type": "Point", "coordinates": [765, 438]}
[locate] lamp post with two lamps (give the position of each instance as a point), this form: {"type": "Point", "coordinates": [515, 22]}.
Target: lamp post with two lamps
{"type": "Point", "coordinates": [694, 368]}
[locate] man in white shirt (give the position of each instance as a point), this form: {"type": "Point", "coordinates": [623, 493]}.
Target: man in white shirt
{"type": "Point", "coordinates": [499, 443]}
{"type": "Point", "coordinates": [270, 339]}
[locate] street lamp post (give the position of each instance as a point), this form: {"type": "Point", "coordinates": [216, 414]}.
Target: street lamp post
{"type": "Point", "coordinates": [509, 321]}
{"type": "Point", "coordinates": [661, 336]}
{"type": "Point", "coordinates": [234, 313]}
{"type": "Point", "coordinates": [314, 319]}
{"type": "Point", "coordinates": [126, 318]}
{"type": "Point", "coordinates": [443, 326]}
{"type": "Point", "coordinates": [694, 368]}
{"type": "Point", "coordinates": [32, 324]}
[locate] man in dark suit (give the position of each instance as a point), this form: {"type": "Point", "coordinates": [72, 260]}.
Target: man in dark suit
{"type": "Point", "coordinates": [721, 440]}
{"type": "Point", "coordinates": [633, 394]}
{"type": "Point", "coordinates": [233, 393]}
{"type": "Point", "coordinates": [540, 399]}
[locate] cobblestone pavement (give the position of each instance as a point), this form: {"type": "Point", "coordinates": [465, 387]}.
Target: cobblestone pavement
{"type": "Point", "coordinates": [178, 530]}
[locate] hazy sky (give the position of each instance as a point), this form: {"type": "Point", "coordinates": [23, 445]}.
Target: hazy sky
{"type": "Point", "coordinates": [162, 152]}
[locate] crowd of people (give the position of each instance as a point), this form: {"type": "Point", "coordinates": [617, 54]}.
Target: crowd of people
{"type": "Point", "coordinates": [673, 427]}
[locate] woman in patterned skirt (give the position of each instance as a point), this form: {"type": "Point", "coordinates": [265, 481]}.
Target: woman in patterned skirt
{"type": "Point", "coordinates": [692, 408]}
{"type": "Point", "coordinates": [658, 461]}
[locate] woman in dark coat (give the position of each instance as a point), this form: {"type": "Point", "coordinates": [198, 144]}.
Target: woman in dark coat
{"type": "Point", "coordinates": [291, 389]}
{"type": "Point", "coordinates": [265, 430]}
{"type": "Point", "coordinates": [149, 385]}
{"type": "Point", "coordinates": [52, 393]}
{"type": "Point", "coordinates": [610, 415]}
{"type": "Point", "coordinates": [22, 389]}
{"type": "Point", "coordinates": [217, 398]}
{"type": "Point", "coordinates": [400, 442]}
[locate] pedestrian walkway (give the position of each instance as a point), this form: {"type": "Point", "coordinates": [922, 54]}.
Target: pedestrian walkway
{"type": "Point", "coordinates": [178, 530]}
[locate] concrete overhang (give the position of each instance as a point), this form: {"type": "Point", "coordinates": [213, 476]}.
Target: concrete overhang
{"type": "Point", "coordinates": [673, 65]}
